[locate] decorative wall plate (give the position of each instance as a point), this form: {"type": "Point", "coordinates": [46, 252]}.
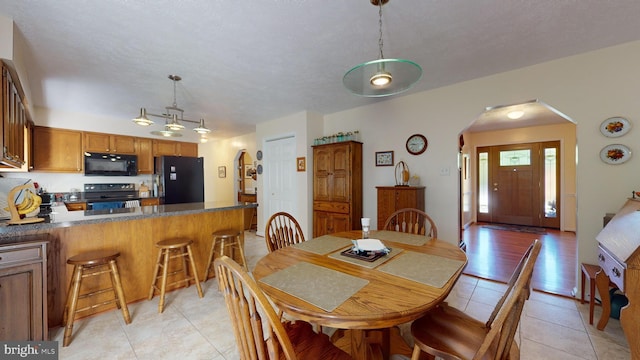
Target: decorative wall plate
{"type": "Point", "coordinates": [615, 127]}
{"type": "Point", "coordinates": [259, 155]}
{"type": "Point", "coordinates": [615, 154]}
{"type": "Point", "coordinates": [259, 169]}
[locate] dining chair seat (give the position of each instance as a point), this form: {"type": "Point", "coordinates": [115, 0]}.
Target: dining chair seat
{"type": "Point", "coordinates": [259, 332]}
{"type": "Point", "coordinates": [412, 221]}
{"type": "Point", "coordinates": [450, 334]}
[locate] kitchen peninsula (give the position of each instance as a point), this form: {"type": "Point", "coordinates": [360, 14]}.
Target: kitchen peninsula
{"type": "Point", "coordinates": [131, 231]}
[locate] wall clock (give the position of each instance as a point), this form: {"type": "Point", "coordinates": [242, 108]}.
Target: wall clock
{"type": "Point", "coordinates": [417, 144]}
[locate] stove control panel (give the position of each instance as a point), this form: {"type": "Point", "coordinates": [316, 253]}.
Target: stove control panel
{"type": "Point", "coordinates": [109, 187]}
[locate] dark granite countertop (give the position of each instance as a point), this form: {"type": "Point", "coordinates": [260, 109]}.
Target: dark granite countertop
{"type": "Point", "coordinates": [64, 218]}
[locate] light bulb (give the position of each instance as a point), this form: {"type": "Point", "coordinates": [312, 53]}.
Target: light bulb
{"type": "Point", "coordinates": [381, 79]}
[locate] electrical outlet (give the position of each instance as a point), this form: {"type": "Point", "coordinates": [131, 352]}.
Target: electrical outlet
{"type": "Point", "coordinates": [444, 171]}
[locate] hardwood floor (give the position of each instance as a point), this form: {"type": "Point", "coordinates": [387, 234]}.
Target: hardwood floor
{"type": "Point", "coordinates": [494, 254]}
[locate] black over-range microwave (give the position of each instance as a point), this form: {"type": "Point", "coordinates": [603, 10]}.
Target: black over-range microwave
{"type": "Point", "coordinates": [110, 164]}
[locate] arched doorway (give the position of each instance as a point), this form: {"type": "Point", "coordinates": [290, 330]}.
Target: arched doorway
{"type": "Point", "coordinates": [522, 133]}
{"type": "Point", "coordinates": [245, 179]}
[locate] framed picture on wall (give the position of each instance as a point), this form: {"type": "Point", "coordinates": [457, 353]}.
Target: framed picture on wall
{"type": "Point", "coordinates": [384, 158]}
{"type": "Point", "coordinates": [301, 164]}
{"type": "Point", "coordinates": [222, 171]}
{"type": "Point", "coordinates": [248, 172]}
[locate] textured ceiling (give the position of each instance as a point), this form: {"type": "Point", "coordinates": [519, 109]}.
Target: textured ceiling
{"type": "Point", "coordinates": [244, 62]}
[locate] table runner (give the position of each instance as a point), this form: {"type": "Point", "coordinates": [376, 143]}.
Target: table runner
{"type": "Point", "coordinates": [322, 287]}
{"type": "Point", "coordinates": [400, 237]}
{"type": "Point", "coordinates": [427, 269]}
{"type": "Point", "coordinates": [367, 264]}
{"type": "Point", "coordinates": [323, 244]}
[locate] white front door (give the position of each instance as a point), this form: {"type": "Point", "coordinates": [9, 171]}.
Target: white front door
{"type": "Point", "coordinates": [280, 175]}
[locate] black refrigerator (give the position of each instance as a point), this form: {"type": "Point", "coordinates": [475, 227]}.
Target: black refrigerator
{"type": "Point", "coordinates": [180, 179]}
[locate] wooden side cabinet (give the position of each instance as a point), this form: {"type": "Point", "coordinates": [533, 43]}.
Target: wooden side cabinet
{"type": "Point", "coordinates": [392, 198]}
{"type": "Point", "coordinates": [337, 187]}
{"type": "Point", "coordinates": [23, 292]}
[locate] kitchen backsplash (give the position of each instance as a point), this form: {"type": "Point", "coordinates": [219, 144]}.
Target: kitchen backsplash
{"type": "Point", "coordinates": [62, 182]}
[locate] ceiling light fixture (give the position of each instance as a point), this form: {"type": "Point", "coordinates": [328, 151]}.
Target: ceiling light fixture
{"type": "Point", "coordinates": [382, 77]}
{"type": "Point", "coordinates": [516, 114]}
{"type": "Point", "coordinates": [172, 124]}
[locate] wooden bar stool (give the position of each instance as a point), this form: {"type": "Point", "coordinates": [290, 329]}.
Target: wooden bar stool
{"type": "Point", "coordinates": [254, 220]}
{"type": "Point", "coordinates": [173, 249]}
{"type": "Point", "coordinates": [589, 271]}
{"type": "Point", "coordinates": [222, 240]}
{"type": "Point", "coordinates": [91, 264]}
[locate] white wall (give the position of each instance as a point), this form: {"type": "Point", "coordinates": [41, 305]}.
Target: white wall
{"type": "Point", "coordinates": [222, 153]}
{"type": "Point", "coordinates": [13, 52]}
{"type": "Point", "coordinates": [588, 88]}
{"type": "Point", "coordinates": [305, 126]}
{"type": "Point", "coordinates": [6, 38]}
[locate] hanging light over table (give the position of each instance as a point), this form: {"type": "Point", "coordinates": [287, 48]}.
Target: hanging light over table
{"type": "Point", "coordinates": [173, 122]}
{"type": "Point", "coordinates": [382, 77]}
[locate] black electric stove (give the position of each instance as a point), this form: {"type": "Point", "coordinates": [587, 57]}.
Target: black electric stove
{"type": "Point", "coordinates": [109, 196]}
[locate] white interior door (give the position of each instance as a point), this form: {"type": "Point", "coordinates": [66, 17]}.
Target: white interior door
{"type": "Point", "coordinates": [280, 174]}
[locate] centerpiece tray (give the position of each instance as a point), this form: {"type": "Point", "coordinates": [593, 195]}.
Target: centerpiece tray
{"type": "Point", "coordinates": [369, 256]}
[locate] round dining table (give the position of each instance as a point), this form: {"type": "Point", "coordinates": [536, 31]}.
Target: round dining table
{"type": "Point", "coordinates": [385, 301]}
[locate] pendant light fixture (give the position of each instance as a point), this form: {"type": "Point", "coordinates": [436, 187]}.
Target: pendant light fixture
{"type": "Point", "coordinates": [382, 77]}
{"type": "Point", "coordinates": [174, 116]}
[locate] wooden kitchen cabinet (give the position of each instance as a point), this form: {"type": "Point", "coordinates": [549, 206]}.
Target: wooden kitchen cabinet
{"type": "Point", "coordinates": [187, 149]}
{"type": "Point", "coordinates": [107, 143]}
{"type": "Point", "coordinates": [337, 187]}
{"type": "Point", "coordinates": [325, 222]}
{"type": "Point", "coordinates": [57, 150]}
{"type": "Point", "coordinates": [23, 292]}
{"type": "Point", "coordinates": [174, 148]}
{"type": "Point", "coordinates": [76, 206]}
{"type": "Point", "coordinates": [14, 119]}
{"type": "Point", "coordinates": [393, 198]}
{"type": "Point", "coordinates": [145, 155]}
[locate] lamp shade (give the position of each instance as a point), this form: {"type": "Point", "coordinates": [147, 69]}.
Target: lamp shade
{"type": "Point", "coordinates": [142, 119]}
{"type": "Point", "coordinates": [201, 129]}
{"type": "Point", "coordinates": [393, 76]}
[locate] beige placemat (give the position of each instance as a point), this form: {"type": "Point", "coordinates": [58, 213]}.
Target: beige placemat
{"type": "Point", "coordinates": [367, 264]}
{"type": "Point", "coordinates": [323, 244]}
{"type": "Point", "coordinates": [427, 269]}
{"type": "Point", "coordinates": [322, 287]}
{"type": "Point", "coordinates": [400, 237]}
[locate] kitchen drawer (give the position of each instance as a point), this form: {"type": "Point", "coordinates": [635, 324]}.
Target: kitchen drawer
{"type": "Point", "coordinates": [10, 257]}
{"type": "Point", "coordinates": [611, 267]}
{"type": "Point", "coordinates": [336, 207]}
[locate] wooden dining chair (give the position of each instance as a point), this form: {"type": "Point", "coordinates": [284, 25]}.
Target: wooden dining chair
{"type": "Point", "coordinates": [282, 230]}
{"type": "Point", "coordinates": [258, 330]}
{"type": "Point", "coordinates": [412, 221]}
{"type": "Point", "coordinates": [450, 334]}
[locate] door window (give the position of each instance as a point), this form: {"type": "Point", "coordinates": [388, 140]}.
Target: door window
{"type": "Point", "coordinates": [550, 182]}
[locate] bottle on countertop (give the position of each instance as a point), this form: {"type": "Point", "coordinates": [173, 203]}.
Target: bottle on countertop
{"type": "Point", "coordinates": [143, 190]}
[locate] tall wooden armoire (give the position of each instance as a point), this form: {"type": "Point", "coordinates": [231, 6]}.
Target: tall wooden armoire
{"type": "Point", "coordinates": [337, 187]}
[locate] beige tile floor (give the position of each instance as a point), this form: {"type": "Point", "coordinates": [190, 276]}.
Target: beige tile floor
{"type": "Point", "coordinates": [551, 327]}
